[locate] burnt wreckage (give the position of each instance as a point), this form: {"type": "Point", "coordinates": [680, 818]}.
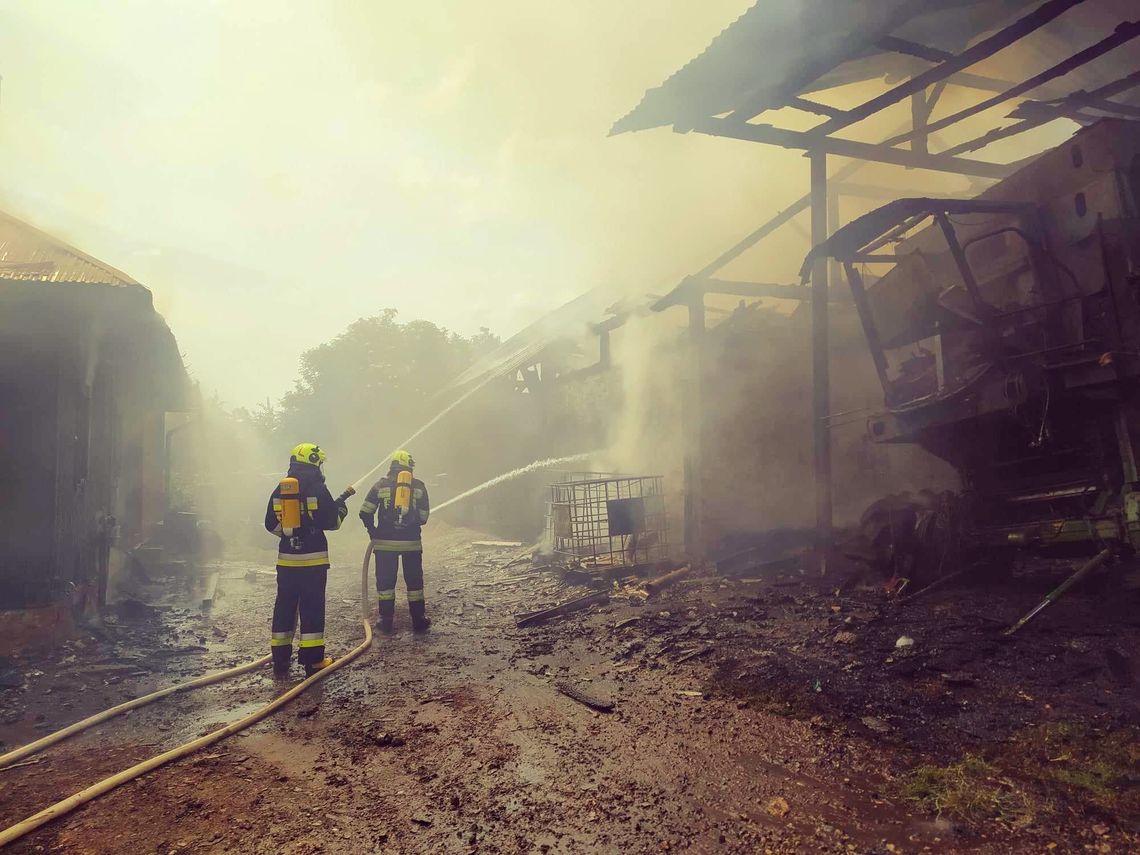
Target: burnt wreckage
{"type": "Point", "coordinates": [1005, 332]}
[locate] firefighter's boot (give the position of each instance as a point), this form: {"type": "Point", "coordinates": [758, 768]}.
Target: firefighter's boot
{"type": "Point", "coordinates": [314, 667]}
{"type": "Point", "coordinates": [387, 612]}
{"type": "Point", "coordinates": [420, 621]}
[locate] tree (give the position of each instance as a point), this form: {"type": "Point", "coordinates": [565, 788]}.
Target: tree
{"type": "Point", "coordinates": [372, 386]}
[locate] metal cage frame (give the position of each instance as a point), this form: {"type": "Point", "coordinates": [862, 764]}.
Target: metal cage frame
{"type": "Point", "coordinates": [580, 527]}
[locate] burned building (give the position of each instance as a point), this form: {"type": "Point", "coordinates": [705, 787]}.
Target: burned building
{"type": "Point", "coordinates": [88, 372]}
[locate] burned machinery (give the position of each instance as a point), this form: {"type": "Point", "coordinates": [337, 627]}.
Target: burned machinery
{"type": "Point", "coordinates": [1005, 331]}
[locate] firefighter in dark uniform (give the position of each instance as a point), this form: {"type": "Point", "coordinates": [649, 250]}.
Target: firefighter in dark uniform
{"type": "Point", "coordinates": [393, 512]}
{"type": "Point", "coordinates": [303, 562]}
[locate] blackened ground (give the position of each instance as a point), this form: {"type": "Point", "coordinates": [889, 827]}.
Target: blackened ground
{"type": "Point", "coordinates": [748, 716]}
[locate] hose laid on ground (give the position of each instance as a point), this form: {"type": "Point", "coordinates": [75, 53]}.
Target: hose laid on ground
{"type": "Point", "coordinates": [66, 806]}
{"type": "Point", "coordinates": [89, 722]}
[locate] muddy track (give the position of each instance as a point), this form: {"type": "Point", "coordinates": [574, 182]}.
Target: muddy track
{"type": "Point", "coordinates": [740, 724]}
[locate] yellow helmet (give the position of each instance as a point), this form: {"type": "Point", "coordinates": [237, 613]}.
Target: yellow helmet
{"type": "Point", "coordinates": [308, 452]}
{"type": "Point", "coordinates": [404, 458]}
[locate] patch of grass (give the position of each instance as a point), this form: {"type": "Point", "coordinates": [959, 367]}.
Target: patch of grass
{"type": "Point", "coordinates": [1081, 764]}
{"type": "Point", "coordinates": [970, 790]}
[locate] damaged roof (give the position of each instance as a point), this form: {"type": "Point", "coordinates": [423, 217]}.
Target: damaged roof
{"type": "Point", "coordinates": [29, 254]}
{"type": "Point", "coordinates": [779, 50]}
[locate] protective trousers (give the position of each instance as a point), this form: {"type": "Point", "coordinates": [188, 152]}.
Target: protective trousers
{"type": "Point", "coordinates": [386, 571]}
{"type": "Point", "coordinates": [300, 592]}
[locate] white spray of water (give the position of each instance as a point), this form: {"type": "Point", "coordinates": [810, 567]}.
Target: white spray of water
{"type": "Point", "coordinates": [384, 460]}
{"type": "Point", "coordinates": [507, 476]}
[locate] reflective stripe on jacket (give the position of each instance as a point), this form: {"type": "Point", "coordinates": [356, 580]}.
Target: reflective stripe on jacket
{"type": "Point", "coordinates": [320, 512]}
{"type": "Point", "coordinates": [380, 518]}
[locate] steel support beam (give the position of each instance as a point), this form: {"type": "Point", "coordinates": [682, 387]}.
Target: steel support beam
{"type": "Point", "coordinates": [849, 148]}
{"type": "Point", "coordinates": [821, 355]}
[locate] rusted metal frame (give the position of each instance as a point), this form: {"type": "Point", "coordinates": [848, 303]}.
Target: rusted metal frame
{"type": "Point", "coordinates": [821, 355]}
{"type": "Point", "coordinates": [1122, 35]}
{"type": "Point", "coordinates": [870, 331]}
{"type": "Point", "coordinates": [984, 49]}
{"type": "Point", "coordinates": [893, 234]}
{"type": "Point", "coordinates": [1106, 91]}
{"type": "Point", "coordinates": [849, 148]}
{"type": "Point", "coordinates": [981, 308]}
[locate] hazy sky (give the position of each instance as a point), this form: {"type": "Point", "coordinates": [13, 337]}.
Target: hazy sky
{"type": "Point", "coordinates": [274, 170]}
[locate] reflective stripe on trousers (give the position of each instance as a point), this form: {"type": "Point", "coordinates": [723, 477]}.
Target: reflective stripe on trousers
{"type": "Point", "coordinates": [389, 594]}
{"type": "Point", "coordinates": [304, 559]}
{"type": "Point", "coordinates": [397, 546]}
{"type": "Point", "coordinates": [312, 639]}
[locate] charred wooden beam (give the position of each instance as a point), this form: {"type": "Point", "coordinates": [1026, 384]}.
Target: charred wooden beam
{"type": "Point", "coordinates": [763, 289]}
{"type": "Point", "coordinates": [566, 608]}
{"type": "Point", "coordinates": [1000, 40]}
{"type": "Point", "coordinates": [909, 48]}
{"type": "Point", "coordinates": [814, 107]}
{"type": "Point", "coordinates": [1107, 91]}
{"type": "Point", "coordinates": [850, 148]}
{"type": "Point", "coordinates": [1122, 35]}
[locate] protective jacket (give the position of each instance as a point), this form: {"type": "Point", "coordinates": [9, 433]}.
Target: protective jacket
{"type": "Point", "coordinates": [320, 512]}
{"type": "Point", "coordinates": [389, 531]}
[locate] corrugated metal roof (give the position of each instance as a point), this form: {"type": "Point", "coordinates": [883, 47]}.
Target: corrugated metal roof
{"type": "Point", "coordinates": [29, 254]}
{"type": "Point", "coordinates": [778, 50]}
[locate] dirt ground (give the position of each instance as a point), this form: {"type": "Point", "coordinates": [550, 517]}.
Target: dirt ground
{"type": "Point", "coordinates": [757, 715]}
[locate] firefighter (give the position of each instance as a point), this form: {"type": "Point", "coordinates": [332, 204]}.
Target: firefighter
{"type": "Point", "coordinates": [302, 559]}
{"type": "Point", "coordinates": [393, 513]}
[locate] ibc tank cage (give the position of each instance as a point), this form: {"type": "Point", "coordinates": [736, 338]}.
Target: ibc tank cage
{"type": "Point", "coordinates": [605, 520]}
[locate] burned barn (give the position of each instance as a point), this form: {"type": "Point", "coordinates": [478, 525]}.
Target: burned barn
{"type": "Point", "coordinates": [88, 372]}
{"type": "Point", "coordinates": [885, 100]}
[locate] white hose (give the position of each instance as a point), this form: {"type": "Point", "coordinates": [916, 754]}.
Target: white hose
{"type": "Point", "coordinates": [67, 805]}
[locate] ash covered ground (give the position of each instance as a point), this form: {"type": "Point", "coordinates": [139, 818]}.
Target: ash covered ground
{"type": "Point", "coordinates": [749, 715]}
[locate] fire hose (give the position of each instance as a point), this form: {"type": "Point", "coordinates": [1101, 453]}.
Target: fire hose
{"type": "Point", "coordinates": [67, 805]}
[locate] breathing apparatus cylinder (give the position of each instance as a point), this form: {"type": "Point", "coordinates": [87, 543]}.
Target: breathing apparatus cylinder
{"type": "Point", "coordinates": [403, 500]}
{"type": "Point", "coordinates": [290, 491]}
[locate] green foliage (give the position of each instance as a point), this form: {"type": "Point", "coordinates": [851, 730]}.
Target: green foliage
{"type": "Point", "coordinates": [367, 389]}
